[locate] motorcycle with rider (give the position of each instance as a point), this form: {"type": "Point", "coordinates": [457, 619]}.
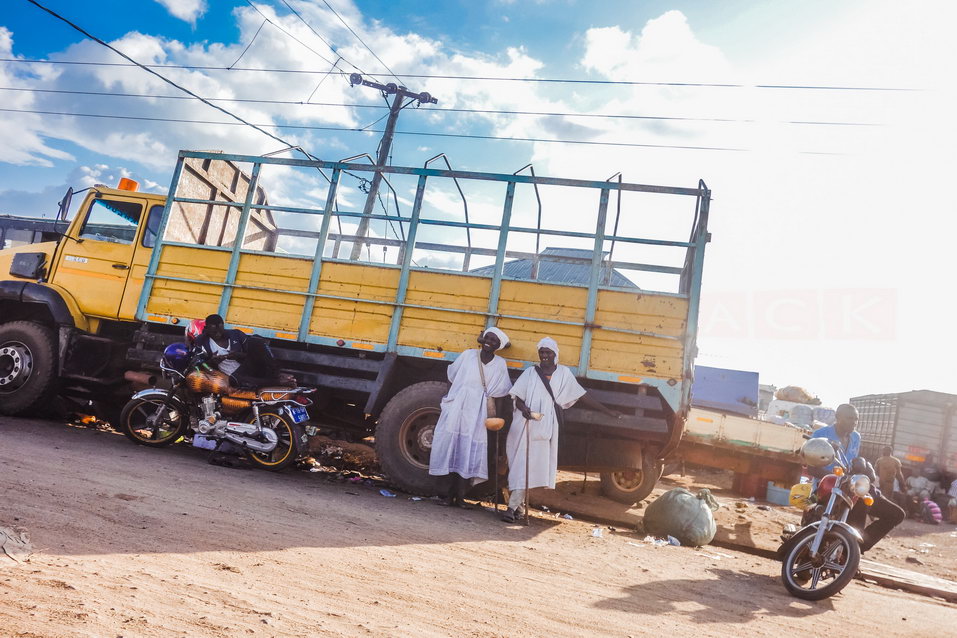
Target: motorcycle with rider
{"type": "Point", "coordinates": [225, 394]}
{"type": "Point", "coordinates": [821, 558]}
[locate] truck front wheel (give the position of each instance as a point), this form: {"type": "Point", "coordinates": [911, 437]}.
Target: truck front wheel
{"type": "Point", "coordinates": [28, 366]}
{"type": "Point", "coordinates": [632, 486]}
{"type": "Point", "coordinates": [403, 437]}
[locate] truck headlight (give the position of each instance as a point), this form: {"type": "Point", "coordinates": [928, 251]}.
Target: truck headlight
{"type": "Point", "coordinates": [860, 485]}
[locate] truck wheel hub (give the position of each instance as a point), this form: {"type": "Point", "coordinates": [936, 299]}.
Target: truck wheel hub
{"type": "Point", "coordinates": [629, 480]}
{"type": "Point", "coordinates": [425, 438]}
{"type": "Point", "coordinates": [16, 364]}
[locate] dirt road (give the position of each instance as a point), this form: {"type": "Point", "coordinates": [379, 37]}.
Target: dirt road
{"type": "Point", "coordinates": [136, 542]}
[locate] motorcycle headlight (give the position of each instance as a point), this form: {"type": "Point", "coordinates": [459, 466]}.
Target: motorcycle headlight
{"type": "Point", "coordinates": [860, 485]}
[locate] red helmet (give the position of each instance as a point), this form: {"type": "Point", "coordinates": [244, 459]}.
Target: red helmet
{"type": "Point", "coordinates": [193, 329]}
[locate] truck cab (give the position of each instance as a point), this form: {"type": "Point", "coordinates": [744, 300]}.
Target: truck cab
{"type": "Point", "coordinates": [56, 297]}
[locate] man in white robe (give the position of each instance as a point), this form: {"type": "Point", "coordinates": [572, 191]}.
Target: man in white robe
{"type": "Point", "coordinates": [532, 444]}
{"type": "Point", "coordinates": [460, 441]}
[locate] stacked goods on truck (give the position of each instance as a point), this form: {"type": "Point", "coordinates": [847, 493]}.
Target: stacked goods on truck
{"type": "Point", "coordinates": [374, 332]}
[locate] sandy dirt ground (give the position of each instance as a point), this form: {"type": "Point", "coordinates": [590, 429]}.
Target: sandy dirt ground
{"type": "Point", "coordinates": [130, 541]}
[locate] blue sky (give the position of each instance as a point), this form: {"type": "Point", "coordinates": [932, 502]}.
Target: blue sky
{"type": "Point", "coordinates": [829, 239]}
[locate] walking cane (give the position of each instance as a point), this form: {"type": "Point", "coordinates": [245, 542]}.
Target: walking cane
{"type": "Point", "coordinates": [497, 493]}
{"type": "Point", "coordinates": [527, 445]}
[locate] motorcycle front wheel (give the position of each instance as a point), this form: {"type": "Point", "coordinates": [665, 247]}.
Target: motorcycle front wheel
{"type": "Point", "coordinates": [154, 421]}
{"type": "Point", "coordinates": [821, 576]}
{"type": "Point", "coordinates": [291, 440]}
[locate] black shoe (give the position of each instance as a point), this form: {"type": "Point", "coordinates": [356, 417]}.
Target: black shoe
{"type": "Point", "coordinates": [509, 516]}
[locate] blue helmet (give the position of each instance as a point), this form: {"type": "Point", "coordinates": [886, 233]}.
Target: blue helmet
{"type": "Point", "coordinates": [176, 356]}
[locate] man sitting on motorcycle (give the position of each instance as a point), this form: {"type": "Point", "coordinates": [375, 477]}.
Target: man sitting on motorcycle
{"type": "Point", "coordinates": [846, 440]}
{"type": "Point", "coordinates": [246, 359]}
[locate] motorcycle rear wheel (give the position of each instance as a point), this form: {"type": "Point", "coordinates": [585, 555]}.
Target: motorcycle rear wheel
{"type": "Point", "coordinates": [152, 421]}
{"type": "Point", "coordinates": [837, 563]}
{"type": "Point", "coordinates": [288, 449]}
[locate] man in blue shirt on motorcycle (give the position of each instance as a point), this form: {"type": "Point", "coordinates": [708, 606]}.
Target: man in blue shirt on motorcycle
{"type": "Point", "coordinates": [846, 440]}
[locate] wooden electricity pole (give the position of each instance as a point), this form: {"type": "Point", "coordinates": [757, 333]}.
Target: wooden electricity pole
{"type": "Point", "coordinates": [385, 147]}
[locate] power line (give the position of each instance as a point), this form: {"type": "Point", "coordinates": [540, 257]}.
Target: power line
{"type": "Point", "coordinates": [324, 41]}
{"type": "Point", "coordinates": [324, 78]}
{"type": "Point", "coordinates": [386, 66]}
{"type": "Point", "coordinates": [319, 55]}
{"type": "Point", "coordinates": [490, 78]}
{"type": "Point", "coordinates": [316, 33]}
{"type": "Point", "coordinates": [168, 81]}
{"type": "Point", "coordinates": [256, 35]}
{"type": "Point", "coordinates": [448, 110]}
{"type": "Point", "coordinates": [409, 133]}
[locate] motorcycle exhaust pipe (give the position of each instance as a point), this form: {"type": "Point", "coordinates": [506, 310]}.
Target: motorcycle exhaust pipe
{"type": "Point", "coordinates": [140, 378]}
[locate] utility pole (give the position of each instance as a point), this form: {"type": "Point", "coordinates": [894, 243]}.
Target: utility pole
{"type": "Point", "coordinates": [385, 146]}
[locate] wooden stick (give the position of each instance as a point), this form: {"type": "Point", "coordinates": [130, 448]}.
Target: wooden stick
{"type": "Point", "coordinates": [528, 442]}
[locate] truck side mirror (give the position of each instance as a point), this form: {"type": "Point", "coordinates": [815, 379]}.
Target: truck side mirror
{"type": "Point", "coordinates": [65, 204]}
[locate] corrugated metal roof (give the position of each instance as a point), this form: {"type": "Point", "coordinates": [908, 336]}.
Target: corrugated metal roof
{"type": "Point", "coordinates": [557, 270]}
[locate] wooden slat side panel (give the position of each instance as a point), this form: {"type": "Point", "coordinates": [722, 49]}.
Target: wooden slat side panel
{"type": "Point", "coordinates": [559, 303]}
{"type": "Point", "coordinates": [442, 330]}
{"type": "Point", "coordinates": [184, 299]}
{"type": "Point", "coordinates": [178, 299]}
{"type": "Point", "coordinates": [633, 355]}
{"type": "Point", "coordinates": [624, 354]}
{"type": "Point", "coordinates": [193, 263]}
{"type": "Point", "coordinates": [269, 309]}
{"type": "Point", "coordinates": [642, 311]}
{"type": "Point", "coordinates": [354, 320]}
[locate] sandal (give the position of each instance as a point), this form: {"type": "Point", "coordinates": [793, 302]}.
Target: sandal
{"type": "Point", "coordinates": [509, 516]}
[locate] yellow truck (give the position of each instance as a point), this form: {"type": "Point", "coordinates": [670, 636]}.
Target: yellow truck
{"type": "Point", "coordinates": [376, 333]}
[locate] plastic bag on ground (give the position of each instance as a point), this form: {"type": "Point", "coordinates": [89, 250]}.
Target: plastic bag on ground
{"type": "Point", "coordinates": [683, 515]}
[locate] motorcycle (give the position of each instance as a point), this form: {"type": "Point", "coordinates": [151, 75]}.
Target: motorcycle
{"type": "Point", "coordinates": [823, 556]}
{"type": "Point", "coordinates": [271, 425]}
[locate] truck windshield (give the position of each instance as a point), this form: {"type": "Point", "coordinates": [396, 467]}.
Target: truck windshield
{"type": "Point", "coordinates": [112, 221]}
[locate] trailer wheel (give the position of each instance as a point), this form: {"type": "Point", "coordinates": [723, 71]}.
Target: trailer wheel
{"type": "Point", "coordinates": [403, 438]}
{"type": "Point", "coordinates": [632, 486]}
{"type": "Point", "coordinates": [28, 366]}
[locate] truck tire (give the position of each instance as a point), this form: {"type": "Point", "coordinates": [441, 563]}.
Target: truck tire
{"type": "Point", "coordinates": [632, 486]}
{"type": "Point", "coordinates": [28, 366]}
{"type": "Point", "coordinates": [403, 437]}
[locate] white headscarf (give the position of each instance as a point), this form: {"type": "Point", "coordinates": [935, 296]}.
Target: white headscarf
{"type": "Point", "coordinates": [502, 337]}
{"type": "Point", "coordinates": [551, 344]}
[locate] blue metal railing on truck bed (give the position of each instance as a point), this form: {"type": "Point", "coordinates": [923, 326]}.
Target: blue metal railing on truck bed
{"type": "Point", "coordinates": [688, 273]}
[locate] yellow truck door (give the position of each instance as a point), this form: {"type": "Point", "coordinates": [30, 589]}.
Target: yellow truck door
{"type": "Point", "coordinates": [140, 261]}
{"type": "Point", "coordinates": [95, 267]}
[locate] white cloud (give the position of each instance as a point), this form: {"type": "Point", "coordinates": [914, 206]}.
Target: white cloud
{"type": "Point", "coordinates": [186, 10]}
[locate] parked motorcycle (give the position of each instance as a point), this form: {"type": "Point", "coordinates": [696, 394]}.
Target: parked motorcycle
{"type": "Point", "coordinates": [269, 424]}
{"type": "Point", "coordinates": [821, 558]}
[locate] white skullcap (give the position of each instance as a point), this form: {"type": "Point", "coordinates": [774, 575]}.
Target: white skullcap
{"type": "Point", "coordinates": [551, 344]}
{"type": "Point", "coordinates": [502, 337]}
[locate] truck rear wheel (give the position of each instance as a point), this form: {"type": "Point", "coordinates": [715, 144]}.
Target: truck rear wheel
{"type": "Point", "coordinates": [403, 437]}
{"type": "Point", "coordinates": [632, 486]}
{"type": "Point", "coordinates": [28, 366]}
